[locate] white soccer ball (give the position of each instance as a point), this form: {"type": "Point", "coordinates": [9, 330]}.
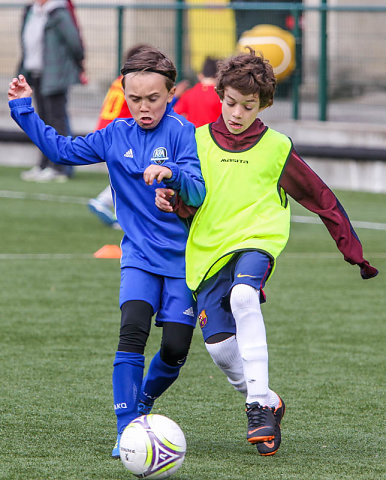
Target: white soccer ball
{"type": "Point", "coordinates": [152, 446]}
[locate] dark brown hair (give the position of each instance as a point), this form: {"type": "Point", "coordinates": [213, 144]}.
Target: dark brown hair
{"type": "Point", "coordinates": [249, 74]}
{"type": "Point", "coordinates": [145, 58]}
{"type": "Point", "coordinates": [209, 69]}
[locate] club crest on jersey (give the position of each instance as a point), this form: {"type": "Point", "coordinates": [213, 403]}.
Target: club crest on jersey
{"type": "Point", "coordinates": [160, 155]}
{"type": "Point", "coordinates": [202, 319]}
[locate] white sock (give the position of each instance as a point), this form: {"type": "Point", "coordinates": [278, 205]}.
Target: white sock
{"type": "Point", "coordinates": [226, 356]}
{"type": "Point", "coordinates": [252, 343]}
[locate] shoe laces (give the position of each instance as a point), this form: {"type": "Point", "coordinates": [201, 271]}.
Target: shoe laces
{"type": "Point", "coordinates": [257, 414]}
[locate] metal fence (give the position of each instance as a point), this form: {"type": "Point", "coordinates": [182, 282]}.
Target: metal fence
{"type": "Point", "coordinates": [339, 49]}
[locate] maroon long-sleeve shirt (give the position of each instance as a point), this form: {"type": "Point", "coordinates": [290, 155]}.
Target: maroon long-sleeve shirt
{"type": "Point", "coordinates": [300, 182]}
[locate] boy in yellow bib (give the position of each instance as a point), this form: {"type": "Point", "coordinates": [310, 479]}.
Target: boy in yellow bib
{"type": "Point", "coordinates": [241, 228]}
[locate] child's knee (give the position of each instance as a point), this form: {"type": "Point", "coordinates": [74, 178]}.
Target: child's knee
{"type": "Point", "coordinates": [244, 296]}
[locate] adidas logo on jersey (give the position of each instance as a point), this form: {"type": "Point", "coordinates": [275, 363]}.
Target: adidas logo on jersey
{"type": "Point", "coordinates": [189, 311]}
{"type": "Point", "coordinates": [129, 153]}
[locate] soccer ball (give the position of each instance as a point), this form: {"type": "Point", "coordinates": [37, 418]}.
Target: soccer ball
{"type": "Point", "coordinates": [152, 446]}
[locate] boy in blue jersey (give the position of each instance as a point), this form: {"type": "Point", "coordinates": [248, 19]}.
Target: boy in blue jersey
{"type": "Point", "coordinates": [155, 146]}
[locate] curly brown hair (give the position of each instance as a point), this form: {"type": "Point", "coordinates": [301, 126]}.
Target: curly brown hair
{"type": "Point", "coordinates": [249, 74]}
{"type": "Point", "coordinates": [145, 58]}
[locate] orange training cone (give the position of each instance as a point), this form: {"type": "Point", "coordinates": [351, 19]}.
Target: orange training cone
{"type": "Point", "coordinates": [108, 251]}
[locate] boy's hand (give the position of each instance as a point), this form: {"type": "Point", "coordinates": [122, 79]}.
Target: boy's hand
{"type": "Point", "coordinates": [162, 199]}
{"type": "Point", "coordinates": [156, 172]}
{"type": "Point", "coordinates": [19, 88]}
{"type": "Point", "coordinates": [169, 201]}
{"type": "Point", "coordinates": [367, 271]}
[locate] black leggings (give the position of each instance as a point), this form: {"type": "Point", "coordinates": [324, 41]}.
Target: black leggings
{"type": "Point", "coordinates": [52, 110]}
{"type": "Point", "coordinates": [135, 328]}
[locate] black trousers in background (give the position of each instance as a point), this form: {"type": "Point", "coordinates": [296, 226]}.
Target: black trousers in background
{"type": "Point", "coordinates": [52, 110]}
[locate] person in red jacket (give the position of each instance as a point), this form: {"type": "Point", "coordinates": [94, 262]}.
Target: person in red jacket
{"type": "Point", "coordinates": [201, 104]}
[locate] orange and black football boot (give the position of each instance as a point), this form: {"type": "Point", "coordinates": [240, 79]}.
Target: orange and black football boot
{"type": "Point", "coordinates": [272, 446]}
{"type": "Point", "coordinates": [261, 423]}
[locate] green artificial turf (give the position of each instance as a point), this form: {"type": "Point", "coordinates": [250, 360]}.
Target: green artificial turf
{"type": "Point", "coordinates": [59, 323]}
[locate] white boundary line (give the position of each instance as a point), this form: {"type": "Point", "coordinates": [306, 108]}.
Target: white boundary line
{"type": "Point", "coordinates": [325, 255]}
{"type": "Point", "coordinates": [89, 256]}
{"type": "Point", "coordinates": [83, 201]}
{"type": "Point", "coordinates": [45, 256]}
{"type": "Point", "coordinates": [43, 197]}
{"type": "Point", "coordinates": [357, 224]}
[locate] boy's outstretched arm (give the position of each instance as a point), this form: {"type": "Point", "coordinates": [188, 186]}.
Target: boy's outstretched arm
{"type": "Point", "coordinates": [58, 148]}
{"type": "Point", "coordinates": [304, 186]}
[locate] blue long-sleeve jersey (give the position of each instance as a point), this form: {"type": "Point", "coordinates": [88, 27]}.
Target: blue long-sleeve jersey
{"type": "Point", "coordinates": [153, 241]}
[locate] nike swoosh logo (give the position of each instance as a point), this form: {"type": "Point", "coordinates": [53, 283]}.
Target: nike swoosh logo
{"type": "Point", "coordinates": [240, 275]}
{"type": "Point", "coordinates": [255, 430]}
{"type": "Point", "coordinates": [269, 444]}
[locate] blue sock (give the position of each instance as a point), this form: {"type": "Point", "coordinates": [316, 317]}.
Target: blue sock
{"type": "Point", "coordinates": [127, 380]}
{"type": "Point", "coordinates": [159, 377]}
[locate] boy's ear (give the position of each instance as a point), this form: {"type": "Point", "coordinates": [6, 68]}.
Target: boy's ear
{"type": "Point", "coordinates": [172, 91]}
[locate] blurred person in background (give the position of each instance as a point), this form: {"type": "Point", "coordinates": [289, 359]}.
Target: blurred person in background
{"type": "Point", "coordinates": [82, 75]}
{"type": "Point", "coordinates": [52, 56]}
{"type": "Point", "coordinates": [201, 104]}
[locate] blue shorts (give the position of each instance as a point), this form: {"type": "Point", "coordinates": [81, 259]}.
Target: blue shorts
{"type": "Point", "coordinates": [213, 299]}
{"type": "Point", "coordinates": [170, 297]}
